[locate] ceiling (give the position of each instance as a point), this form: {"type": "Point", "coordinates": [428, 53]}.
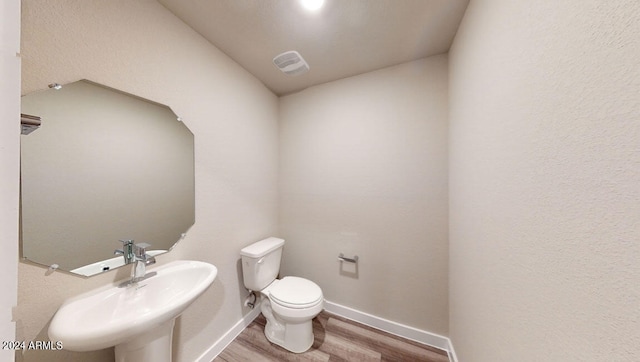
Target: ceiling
{"type": "Point", "coordinates": [342, 39]}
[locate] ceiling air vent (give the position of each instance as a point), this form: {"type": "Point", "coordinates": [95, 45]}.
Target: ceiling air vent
{"type": "Point", "coordinates": [291, 63]}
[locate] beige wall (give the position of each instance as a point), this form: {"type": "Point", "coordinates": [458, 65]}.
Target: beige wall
{"type": "Point", "coordinates": [9, 166]}
{"type": "Point", "coordinates": [543, 169]}
{"type": "Point", "coordinates": [363, 170]}
{"type": "Point", "coordinates": [141, 48]}
{"type": "Point", "coordinates": [544, 181]}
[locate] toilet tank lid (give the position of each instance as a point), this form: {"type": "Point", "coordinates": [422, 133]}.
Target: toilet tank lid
{"type": "Point", "coordinates": [262, 247]}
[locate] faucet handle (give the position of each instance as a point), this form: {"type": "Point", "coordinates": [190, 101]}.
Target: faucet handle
{"type": "Point", "coordinates": [126, 241]}
{"type": "Point", "coordinates": [141, 253]}
{"type": "Point", "coordinates": [141, 247]}
{"type": "Point", "coordinates": [140, 250]}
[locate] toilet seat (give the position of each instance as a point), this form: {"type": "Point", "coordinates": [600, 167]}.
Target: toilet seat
{"type": "Point", "coordinates": [295, 293]}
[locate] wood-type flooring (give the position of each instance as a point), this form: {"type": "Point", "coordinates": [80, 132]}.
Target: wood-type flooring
{"type": "Point", "coordinates": [336, 339]}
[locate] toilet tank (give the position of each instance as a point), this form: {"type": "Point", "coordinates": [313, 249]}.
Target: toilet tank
{"type": "Point", "coordinates": [261, 263]}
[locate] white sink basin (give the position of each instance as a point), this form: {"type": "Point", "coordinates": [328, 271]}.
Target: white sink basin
{"type": "Point", "coordinates": [124, 316]}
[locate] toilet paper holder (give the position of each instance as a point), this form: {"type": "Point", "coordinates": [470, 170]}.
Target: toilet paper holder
{"type": "Point", "coordinates": [341, 258]}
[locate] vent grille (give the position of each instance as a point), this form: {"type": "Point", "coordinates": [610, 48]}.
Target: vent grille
{"type": "Point", "coordinates": [291, 63]}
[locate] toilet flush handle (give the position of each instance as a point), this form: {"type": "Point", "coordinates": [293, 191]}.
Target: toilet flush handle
{"type": "Point", "coordinates": [261, 261]}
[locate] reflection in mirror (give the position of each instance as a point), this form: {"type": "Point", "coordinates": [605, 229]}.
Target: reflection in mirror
{"type": "Point", "coordinates": [103, 166]}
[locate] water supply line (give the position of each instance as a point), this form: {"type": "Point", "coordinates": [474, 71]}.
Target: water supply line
{"type": "Point", "coordinates": [251, 299]}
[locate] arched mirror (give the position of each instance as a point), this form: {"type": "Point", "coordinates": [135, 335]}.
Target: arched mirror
{"type": "Point", "coordinates": [102, 166]}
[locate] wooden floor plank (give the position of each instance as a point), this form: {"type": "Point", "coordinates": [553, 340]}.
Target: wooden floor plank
{"type": "Point", "coordinates": [391, 347]}
{"type": "Point", "coordinates": [336, 340]}
{"type": "Point", "coordinates": [238, 352]}
{"type": "Point", "coordinates": [343, 349]}
{"type": "Point", "coordinates": [254, 336]}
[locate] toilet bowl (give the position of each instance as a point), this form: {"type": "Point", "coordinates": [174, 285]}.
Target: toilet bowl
{"type": "Point", "coordinates": [289, 312]}
{"type": "Point", "coordinates": [288, 304]}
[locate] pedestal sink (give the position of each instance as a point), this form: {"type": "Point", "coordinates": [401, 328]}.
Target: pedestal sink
{"type": "Point", "coordinates": [136, 318]}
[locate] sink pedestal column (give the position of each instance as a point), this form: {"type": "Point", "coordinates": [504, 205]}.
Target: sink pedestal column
{"type": "Point", "coordinates": [151, 346]}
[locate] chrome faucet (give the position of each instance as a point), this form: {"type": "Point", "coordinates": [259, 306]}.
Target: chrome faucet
{"type": "Point", "coordinates": [142, 259]}
{"type": "Point", "coordinates": [136, 254]}
{"type": "Point", "coordinates": [126, 251]}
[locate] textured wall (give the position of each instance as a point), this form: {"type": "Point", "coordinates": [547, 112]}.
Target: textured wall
{"type": "Point", "coordinates": [141, 48]}
{"type": "Point", "coordinates": [545, 181]}
{"type": "Point", "coordinates": [363, 170]}
{"type": "Point", "coordinates": [9, 166]}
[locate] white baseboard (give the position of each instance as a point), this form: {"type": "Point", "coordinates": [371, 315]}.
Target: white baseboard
{"type": "Point", "coordinates": [228, 337]}
{"type": "Point", "coordinates": [414, 334]}
{"type": "Point", "coordinates": [452, 352]}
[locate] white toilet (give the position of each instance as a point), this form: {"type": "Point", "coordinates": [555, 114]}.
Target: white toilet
{"type": "Point", "coordinates": [289, 304]}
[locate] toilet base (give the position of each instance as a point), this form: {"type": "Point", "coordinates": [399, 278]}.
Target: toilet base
{"type": "Point", "coordinates": [296, 338]}
{"type": "Point", "coordinates": [293, 334]}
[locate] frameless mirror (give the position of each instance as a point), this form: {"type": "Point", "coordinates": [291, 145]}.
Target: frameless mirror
{"type": "Point", "coordinates": [103, 166]}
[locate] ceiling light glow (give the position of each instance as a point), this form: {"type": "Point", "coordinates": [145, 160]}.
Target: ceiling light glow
{"type": "Point", "coordinates": [312, 5]}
